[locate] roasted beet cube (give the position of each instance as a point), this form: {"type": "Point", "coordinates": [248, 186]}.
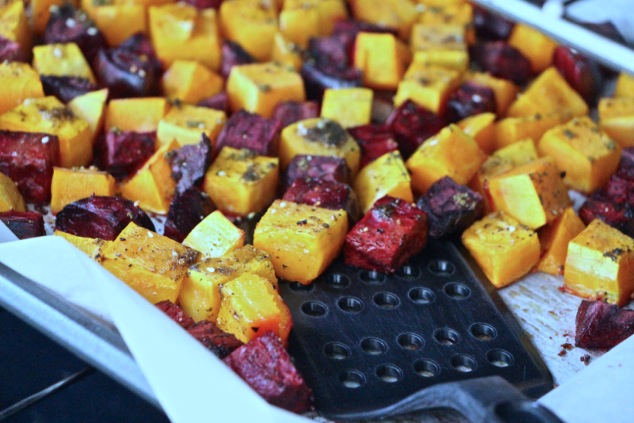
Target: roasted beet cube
{"type": "Point", "coordinates": [100, 217]}
{"type": "Point", "coordinates": [289, 112]}
{"type": "Point", "coordinates": [469, 99]}
{"type": "Point", "coordinates": [265, 365]}
{"type": "Point", "coordinates": [121, 153]}
{"type": "Point", "coordinates": [626, 165]}
{"type": "Point", "coordinates": [205, 4]}
{"type": "Point", "coordinates": [70, 25]}
{"type": "Point", "coordinates": [490, 25]}
{"type": "Point", "coordinates": [11, 51]}
{"type": "Point", "coordinates": [504, 61]}
{"type": "Point", "coordinates": [374, 141]}
{"type": "Point", "coordinates": [318, 78]}
{"type": "Point", "coordinates": [189, 163]}
{"type": "Point", "coordinates": [233, 55]}
{"type": "Point", "coordinates": [248, 130]}
{"type": "Point", "coordinates": [332, 195]}
{"type": "Point", "coordinates": [65, 88]}
{"type": "Point", "coordinates": [451, 208]}
{"type": "Point", "coordinates": [352, 27]}
{"type": "Point", "coordinates": [388, 235]}
{"type": "Point", "coordinates": [620, 188]}
{"type": "Point", "coordinates": [579, 71]}
{"type": "Point", "coordinates": [219, 101]}
{"type": "Point", "coordinates": [24, 224]}
{"type": "Point", "coordinates": [175, 313]}
{"type": "Point", "coordinates": [214, 339]}
{"type": "Point", "coordinates": [617, 215]}
{"type": "Point", "coordinates": [602, 326]}
{"type": "Point", "coordinates": [186, 211]}
{"type": "Point", "coordinates": [412, 125]}
{"type": "Point", "coordinates": [329, 168]}
{"type": "Point", "coordinates": [28, 159]}
{"type": "Point", "coordinates": [331, 51]}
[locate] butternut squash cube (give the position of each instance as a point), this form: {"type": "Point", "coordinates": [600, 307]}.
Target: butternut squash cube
{"type": "Point", "coordinates": [482, 128]}
{"type": "Point", "coordinates": [449, 153]}
{"type": "Point", "coordinates": [329, 11]}
{"type": "Point", "coordinates": [190, 81]}
{"type": "Point", "coordinates": [250, 23]}
{"type": "Point", "coordinates": [185, 124]}
{"type": "Point", "coordinates": [15, 25]}
{"type": "Point", "coordinates": [61, 60]}
{"type": "Point", "coordinates": [319, 137]}
{"type": "Point", "coordinates": [398, 14]}
{"type": "Point", "coordinates": [286, 52]}
{"type": "Point", "coordinates": [215, 236]}
{"type": "Point", "coordinates": [505, 249]}
{"type": "Point", "coordinates": [302, 240]}
{"type": "Point", "coordinates": [587, 155]}
{"type": "Point", "coordinates": [600, 264]}
{"type": "Point", "coordinates": [259, 87]}
{"type": "Point", "coordinates": [348, 106]}
{"type": "Point", "coordinates": [250, 307]}
{"type": "Point", "coordinates": [240, 182]}
{"type": "Point", "coordinates": [535, 46]}
{"type": "Point", "coordinates": [151, 264]}
{"type": "Point", "coordinates": [19, 82]}
{"type": "Point", "coordinates": [91, 107]}
{"type": "Point", "coordinates": [152, 186]}
{"type": "Point", "coordinates": [386, 175]}
{"type": "Point", "coordinates": [504, 90]}
{"type": "Point", "coordinates": [70, 185]}
{"type": "Point", "coordinates": [180, 31]}
{"type": "Point", "coordinates": [89, 246]}
{"type": "Point", "coordinates": [200, 291]}
{"type": "Point", "coordinates": [136, 114]}
{"type": "Point", "coordinates": [427, 86]}
{"type": "Point", "coordinates": [457, 60]}
{"type": "Point", "coordinates": [450, 14]}
{"type": "Point", "coordinates": [41, 12]}
{"type": "Point", "coordinates": [533, 193]}
{"type": "Point", "coordinates": [48, 115]}
{"type": "Point", "coordinates": [554, 239]}
{"type": "Point", "coordinates": [118, 22]}
{"type": "Point", "coordinates": [624, 85]}
{"type": "Point", "coordinates": [616, 117]}
{"type": "Point", "coordinates": [299, 25]}
{"type": "Point", "coordinates": [382, 59]}
{"type": "Point", "coordinates": [445, 37]}
{"type": "Point", "coordinates": [10, 197]}
{"type": "Point", "coordinates": [549, 93]}
{"type": "Point", "coordinates": [511, 130]}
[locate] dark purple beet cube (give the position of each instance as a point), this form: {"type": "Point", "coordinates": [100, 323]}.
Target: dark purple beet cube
{"type": "Point", "coordinates": [26, 224]}
{"type": "Point", "coordinates": [122, 153]}
{"type": "Point", "coordinates": [469, 99]}
{"type": "Point", "coordinates": [503, 61]}
{"type": "Point", "coordinates": [388, 235]}
{"type": "Point", "coordinates": [65, 88]}
{"type": "Point", "coordinates": [11, 51]}
{"type": "Point", "coordinates": [329, 168]}
{"type": "Point", "coordinates": [175, 313]}
{"type": "Point", "coordinates": [374, 140]}
{"type": "Point", "coordinates": [186, 211]}
{"type": "Point", "coordinates": [219, 101]}
{"type": "Point", "coordinates": [600, 206]}
{"type": "Point", "coordinates": [581, 73]}
{"type": "Point", "coordinates": [412, 125]}
{"type": "Point", "coordinates": [189, 163]}
{"type": "Point", "coordinates": [451, 208]}
{"type": "Point", "coordinates": [248, 130]}
{"type": "Point", "coordinates": [28, 158]}
{"type": "Point", "coordinates": [233, 55]}
{"type": "Point", "coordinates": [214, 339]}
{"type": "Point", "coordinates": [332, 51]}
{"type": "Point", "coordinates": [205, 4]}
{"type": "Point", "coordinates": [289, 112]}
{"type": "Point", "coordinates": [490, 25]}
{"type": "Point", "coordinates": [620, 188]}
{"type": "Point", "coordinates": [332, 195]}
{"type": "Point", "coordinates": [352, 27]}
{"type": "Point", "coordinates": [602, 326]}
{"type": "Point", "coordinates": [101, 217]}
{"type": "Point", "coordinates": [626, 165]}
{"type": "Point", "coordinates": [318, 78]}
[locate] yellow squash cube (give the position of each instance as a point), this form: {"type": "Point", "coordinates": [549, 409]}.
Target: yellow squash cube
{"type": "Point", "coordinates": [61, 60]}
{"type": "Point", "coordinates": [91, 107]}
{"type": "Point", "coordinates": [535, 46]}
{"type": "Point", "coordinates": [136, 114]}
{"type": "Point", "coordinates": [329, 11]}
{"type": "Point", "coordinates": [190, 81]}
{"type": "Point", "coordinates": [449, 153]}
{"type": "Point", "coordinates": [151, 264]}
{"type": "Point", "coordinates": [215, 236]}
{"type": "Point", "coordinates": [302, 240]}
{"type": "Point", "coordinates": [600, 264]}
{"type": "Point", "coordinates": [90, 246]}
{"type": "Point", "coordinates": [118, 22]}
{"type": "Point", "coordinates": [427, 86]}
{"type": "Point", "coordinates": [587, 155]}
{"type": "Point", "coordinates": [70, 185]}
{"type": "Point", "coordinates": [382, 59]}
{"type": "Point", "coordinates": [10, 197]}
{"type": "Point", "coordinates": [300, 25]}
{"type": "Point", "coordinates": [505, 249]}
{"type": "Point", "coordinates": [240, 182]}
{"type": "Point", "coordinates": [450, 14]}
{"type": "Point", "coordinates": [259, 87]}
{"type": "Point", "coordinates": [482, 128]}
{"type": "Point", "coordinates": [457, 60]}
{"type": "Point", "coordinates": [513, 129]}
{"type": "Point", "coordinates": [19, 82]}
{"type": "Point", "coordinates": [14, 25]}
{"type": "Point", "coordinates": [185, 124]}
{"type": "Point", "coordinates": [624, 85]}
{"type": "Point", "coordinates": [616, 117]}
{"type": "Point", "coordinates": [443, 37]}
{"type": "Point", "coordinates": [250, 23]}
{"type": "Point", "coordinates": [554, 239]}
{"type": "Point", "coordinates": [398, 14]}
{"type": "Point", "coordinates": [286, 52]}
{"type": "Point", "coordinates": [504, 90]}
{"type": "Point", "coordinates": [348, 106]}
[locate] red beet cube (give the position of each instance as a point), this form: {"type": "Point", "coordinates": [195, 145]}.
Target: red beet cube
{"type": "Point", "coordinates": [122, 153]}
{"type": "Point", "coordinates": [214, 339]}
{"type": "Point", "coordinates": [626, 165]}
{"type": "Point", "coordinates": [100, 217]}
{"type": "Point", "coordinates": [332, 51]}
{"type": "Point", "coordinates": [186, 211]}
{"type": "Point", "coordinates": [28, 159]}
{"type": "Point", "coordinates": [332, 195]}
{"type": "Point", "coordinates": [451, 208]}
{"type": "Point", "coordinates": [412, 125]}
{"type": "Point", "coordinates": [328, 168]}
{"type": "Point", "coordinates": [318, 77]}
{"type": "Point", "coordinates": [490, 25]}
{"type": "Point", "coordinates": [617, 215]}
{"type": "Point", "coordinates": [504, 61]}
{"type": "Point", "coordinates": [374, 141]}
{"type": "Point", "coordinates": [289, 112]}
{"type": "Point", "coordinates": [233, 55]}
{"type": "Point", "coordinates": [248, 130]}
{"type": "Point", "coordinates": [11, 51]}
{"type": "Point", "coordinates": [218, 101]}
{"type": "Point", "coordinates": [189, 164]}
{"type": "Point", "coordinates": [470, 99]}
{"type": "Point", "coordinates": [579, 71]}
{"type": "Point", "coordinates": [602, 326]}
{"type": "Point", "coordinates": [388, 235]}
{"type": "Point", "coordinates": [266, 366]}
{"type": "Point", "coordinates": [620, 188]}
{"type": "Point", "coordinates": [24, 224]}
{"type": "Point", "coordinates": [205, 4]}
{"type": "Point", "coordinates": [65, 88]}
{"type": "Point", "coordinates": [175, 313]}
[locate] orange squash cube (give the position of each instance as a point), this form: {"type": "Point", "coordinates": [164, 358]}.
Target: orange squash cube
{"type": "Point", "coordinates": [180, 31]}
{"type": "Point", "coordinates": [10, 197]}
{"type": "Point", "coordinates": [328, 11]}
{"type": "Point", "coordinates": [190, 81]}
{"type": "Point", "coordinates": [90, 246]}
{"type": "Point", "coordinates": [624, 85]}
{"type": "Point", "coordinates": [504, 90]}
{"type": "Point", "coordinates": [587, 155]}
{"type": "Point", "coordinates": [457, 60]}
{"type": "Point", "coordinates": [136, 114]}
{"type": "Point", "coordinates": [554, 239]}
{"type": "Point", "coordinates": [427, 86]}
{"type": "Point", "coordinates": [19, 82]}
{"type": "Point", "coordinates": [91, 107]}
{"type": "Point", "coordinates": [61, 60]}
{"type": "Point", "coordinates": [616, 118]}
{"type": "Point", "coordinates": [185, 124]}
{"type": "Point", "coordinates": [535, 46]}
{"type": "Point", "coordinates": [152, 186]}
{"type": "Point", "coordinates": [382, 59]}
{"type": "Point", "coordinates": [482, 128]}
{"type": "Point", "coordinates": [348, 106]}
{"type": "Point", "coordinates": [250, 23]}
{"type": "Point", "coordinates": [151, 264]}
{"type": "Point", "coordinates": [450, 14]}
{"type": "Point", "coordinates": [215, 236]}
{"type": "Point", "coordinates": [505, 249]}
{"type": "Point", "coordinates": [259, 87]}
{"type": "Point", "coordinates": [299, 25]}
{"type": "Point", "coordinates": [449, 153]}
{"type": "Point", "coordinates": [600, 264]}
{"type": "Point", "coordinates": [302, 240]}
{"type": "Point", "coordinates": [118, 22]}
{"type": "Point", "coordinates": [41, 12]}
{"type": "Point", "coordinates": [15, 25]}
{"type": "Point", "coordinates": [438, 37]}
{"type": "Point", "coordinates": [510, 130]}
{"type": "Point", "coordinates": [70, 185]}
{"type": "Point", "coordinates": [286, 52]}
{"type": "Point", "coordinates": [398, 14]}
{"type": "Point", "coordinates": [240, 182]}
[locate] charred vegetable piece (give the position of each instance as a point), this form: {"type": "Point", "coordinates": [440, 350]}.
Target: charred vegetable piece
{"type": "Point", "coordinates": [186, 211]}
{"type": "Point", "coordinates": [620, 188]}
{"type": "Point", "coordinates": [602, 326]}
{"type": "Point", "coordinates": [214, 339]}
{"type": "Point", "coordinates": [189, 164]}
{"type": "Point", "coordinates": [388, 235]}
{"type": "Point", "coordinates": [374, 140]}
{"type": "Point", "coordinates": [266, 366]}
{"type": "Point", "coordinates": [329, 168]}
{"type": "Point", "coordinates": [219, 101]}
{"type": "Point", "coordinates": [28, 159]}
{"type": "Point", "coordinates": [412, 125]}
{"type": "Point", "coordinates": [233, 55]}
{"type": "Point", "coordinates": [121, 153]}
{"type": "Point", "coordinates": [470, 99]}
{"type": "Point", "coordinates": [491, 26]}
{"type": "Point", "coordinates": [289, 112]}
{"type": "Point", "coordinates": [503, 61]}
{"type": "Point", "coordinates": [175, 313]}
{"type": "Point", "coordinates": [100, 217]}
{"type": "Point", "coordinates": [617, 215]}
{"type": "Point", "coordinates": [251, 131]}
{"type": "Point", "coordinates": [66, 88]}
{"type": "Point", "coordinates": [333, 51]}
{"type": "Point", "coordinates": [580, 72]}
{"type": "Point", "coordinates": [318, 78]}
{"type": "Point", "coordinates": [451, 208]}
{"type": "Point", "coordinates": [24, 224]}
{"type": "Point", "coordinates": [331, 195]}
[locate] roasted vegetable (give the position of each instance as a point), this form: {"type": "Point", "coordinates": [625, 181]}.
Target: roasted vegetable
{"type": "Point", "coordinates": [382, 59]}
{"type": "Point", "coordinates": [90, 246]}
{"type": "Point", "coordinates": [24, 224]}
{"type": "Point", "coordinates": [136, 114]}
{"type": "Point", "coordinates": [348, 106]}
{"type": "Point", "coordinates": [19, 82]}
{"type": "Point", "coordinates": [186, 211]}
{"type": "Point", "coordinates": [333, 195]}
{"type": "Point", "coordinates": [602, 326]}
{"type": "Point", "coordinates": [70, 185]}
{"type": "Point", "coordinates": [122, 153]}
{"type": "Point", "coordinates": [412, 125]}
{"type": "Point", "coordinates": [189, 163]}
{"type": "Point", "coordinates": [554, 239]}
{"type": "Point", "coordinates": [248, 130]}
{"type": "Point", "coordinates": [616, 118]}
{"type": "Point", "coordinates": [427, 86]}
{"type": "Point", "coordinates": [185, 124]}
{"type": "Point", "coordinates": [190, 81]}
{"type": "Point", "coordinates": [535, 46]}
{"type": "Point", "coordinates": [503, 61]}
{"type": "Point", "coordinates": [215, 236]}
{"type": "Point", "coordinates": [10, 197]}
{"type": "Point", "coordinates": [329, 168]}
